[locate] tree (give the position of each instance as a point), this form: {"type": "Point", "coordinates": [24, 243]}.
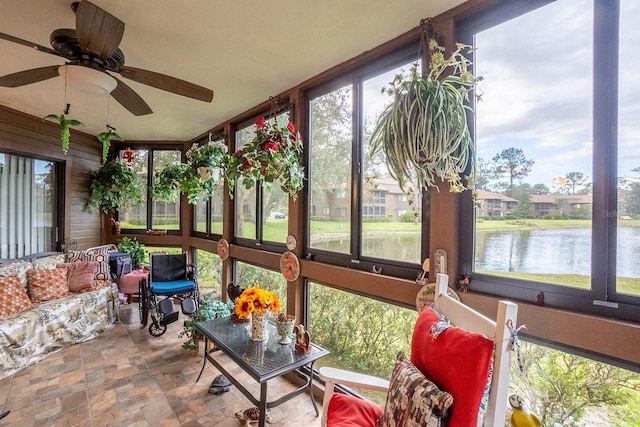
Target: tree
{"type": "Point", "coordinates": [512, 163]}
{"type": "Point", "coordinates": [575, 179]}
{"type": "Point", "coordinates": [560, 387]}
{"type": "Point", "coordinates": [540, 189]}
{"type": "Point", "coordinates": [485, 174]}
{"type": "Point", "coordinates": [522, 193]}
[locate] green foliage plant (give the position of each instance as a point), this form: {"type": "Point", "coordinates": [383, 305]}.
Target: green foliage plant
{"type": "Point", "coordinates": [105, 138]}
{"type": "Point", "coordinates": [423, 132]}
{"type": "Point", "coordinates": [65, 125]}
{"type": "Point", "coordinates": [134, 248]}
{"type": "Point", "coordinates": [114, 186]}
{"type": "Point", "coordinates": [177, 178]}
{"type": "Point", "coordinates": [273, 153]}
{"type": "Point", "coordinates": [209, 308]}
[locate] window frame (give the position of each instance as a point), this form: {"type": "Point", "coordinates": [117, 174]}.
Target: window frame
{"type": "Point", "coordinates": [602, 298]}
{"type": "Point", "coordinates": [355, 259]}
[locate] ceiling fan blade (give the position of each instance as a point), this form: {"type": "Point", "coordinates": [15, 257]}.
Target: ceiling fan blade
{"type": "Point", "coordinates": [130, 100]}
{"type": "Point", "coordinates": [168, 83]}
{"type": "Point", "coordinates": [99, 33]}
{"type": "Point", "coordinates": [26, 77]}
{"type": "Point", "coordinates": [28, 44]}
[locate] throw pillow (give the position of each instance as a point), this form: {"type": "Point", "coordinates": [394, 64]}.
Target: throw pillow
{"type": "Point", "coordinates": [48, 262]}
{"type": "Point", "coordinates": [99, 254]}
{"type": "Point", "coordinates": [80, 274]}
{"type": "Point", "coordinates": [47, 284]}
{"type": "Point", "coordinates": [18, 268]}
{"type": "Point", "coordinates": [413, 400]}
{"type": "Point", "coordinates": [13, 296]}
{"type": "Point", "coordinates": [456, 360]}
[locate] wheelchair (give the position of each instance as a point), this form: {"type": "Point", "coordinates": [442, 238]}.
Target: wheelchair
{"type": "Point", "coordinates": [170, 277]}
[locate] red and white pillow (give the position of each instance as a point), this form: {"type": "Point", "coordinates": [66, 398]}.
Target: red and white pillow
{"type": "Point", "coordinates": [99, 254]}
{"type": "Point", "coordinates": [80, 274]}
{"type": "Point", "coordinates": [13, 296]}
{"type": "Point", "coordinates": [47, 284]}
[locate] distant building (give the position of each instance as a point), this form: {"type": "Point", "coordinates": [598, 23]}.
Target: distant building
{"type": "Point", "coordinates": [559, 204]}
{"type": "Point", "coordinates": [495, 204]}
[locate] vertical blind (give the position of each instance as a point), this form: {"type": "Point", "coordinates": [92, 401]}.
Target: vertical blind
{"type": "Point", "coordinates": [27, 206]}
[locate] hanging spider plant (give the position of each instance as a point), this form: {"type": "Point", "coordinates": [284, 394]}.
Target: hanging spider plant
{"type": "Point", "coordinates": [423, 132]}
{"type": "Point", "coordinates": [65, 126]}
{"type": "Point", "coordinates": [105, 138]}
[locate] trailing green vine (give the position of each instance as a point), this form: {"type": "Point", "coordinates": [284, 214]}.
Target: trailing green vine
{"type": "Point", "coordinates": [105, 138]}
{"type": "Point", "coordinates": [65, 125]}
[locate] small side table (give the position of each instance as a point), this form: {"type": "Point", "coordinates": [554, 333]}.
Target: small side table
{"type": "Point", "coordinates": [128, 284]}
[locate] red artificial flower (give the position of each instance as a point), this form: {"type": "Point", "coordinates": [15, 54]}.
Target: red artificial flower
{"type": "Point", "coordinates": [291, 128]}
{"type": "Point", "coordinates": [238, 153]}
{"type": "Point", "coordinates": [261, 123]}
{"type": "Point", "coordinates": [271, 146]}
{"type": "Point", "coordinates": [246, 164]}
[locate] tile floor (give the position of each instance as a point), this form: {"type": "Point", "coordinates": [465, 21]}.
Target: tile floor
{"type": "Point", "coordinates": [126, 377]}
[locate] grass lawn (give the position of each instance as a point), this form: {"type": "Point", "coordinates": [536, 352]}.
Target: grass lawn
{"type": "Point", "coordinates": [542, 223]}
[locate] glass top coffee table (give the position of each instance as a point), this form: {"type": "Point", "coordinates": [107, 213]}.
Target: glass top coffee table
{"type": "Point", "coordinates": [262, 360]}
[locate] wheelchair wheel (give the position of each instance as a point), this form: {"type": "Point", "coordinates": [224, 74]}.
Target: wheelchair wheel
{"type": "Point", "coordinates": [156, 328]}
{"type": "Point", "coordinates": [143, 303]}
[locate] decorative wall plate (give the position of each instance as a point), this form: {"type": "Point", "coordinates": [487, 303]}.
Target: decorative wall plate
{"type": "Point", "coordinates": [223, 249]}
{"type": "Point", "coordinates": [427, 293]}
{"type": "Point", "coordinates": [291, 242]}
{"type": "Point", "coordinates": [289, 266]}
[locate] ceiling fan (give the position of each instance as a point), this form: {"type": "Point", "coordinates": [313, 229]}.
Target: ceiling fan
{"type": "Point", "coordinates": [94, 45]}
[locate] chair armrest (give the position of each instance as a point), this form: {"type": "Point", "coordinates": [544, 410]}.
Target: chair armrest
{"type": "Point", "coordinates": [353, 379]}
{"type": "Point", "coordinates": [333, 376]}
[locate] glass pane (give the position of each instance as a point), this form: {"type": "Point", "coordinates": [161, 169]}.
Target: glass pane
{"type": "Point", "coordinates": [209, 273]}
{"type": "Point", "coordinates": [200, 216]}
{"type": "Point", "coordinates": [391, 226]}
{"type": "Point", "coordinates": [135, 217]}
{"type": "Point", "coordinates": [569, 390]}
{"type": "Point", "coordinates": [245, 199]}
{"type": "Point", "coordinates": [248, 276]}
{"type": "Point", "coordinates": [628, 250]}
{"type": "Point", "coordinates": [217, 209]}
{"type": "Point", "coordinates": [28, 206]}
{"type": "Point", "coordinates": [165, 215]}
{"type": "Point", "coordinates": [533, 136]}
{"type": "Point", "coordinates": [275, 210]}
{"type": "Point", "coordinates": [330, 171]}
{"type": "Point", "coordinates": [345, 324]}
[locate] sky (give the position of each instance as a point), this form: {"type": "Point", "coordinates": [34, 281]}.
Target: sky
{"type": "Point", "coordinates": [537, 89]}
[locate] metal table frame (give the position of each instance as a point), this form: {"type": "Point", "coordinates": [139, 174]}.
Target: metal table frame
{"type": "Point", "coordinates": [262, 360]}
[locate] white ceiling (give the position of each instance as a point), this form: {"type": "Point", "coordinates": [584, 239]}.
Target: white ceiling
{"type": "Point", "coordinates": [244, 50]}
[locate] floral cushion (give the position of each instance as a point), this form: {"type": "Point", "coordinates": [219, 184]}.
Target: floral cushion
{"type": "Point", "coordinates": [413, 400]}
{"type": "Point", "coordinates": [456, 360]}
{"type": "Point", "coordinates": [80, 274]}
{"type": "Point", "coordinates": [47, 285]}
{"type": "Point", "coordinates": [98, 254]}
{"type": "Point", "coordinates": [48, 262]}
{"type": "Point", "coordinates": [18, 268]}
{"type": "Point", "coordinates": [13, 296]}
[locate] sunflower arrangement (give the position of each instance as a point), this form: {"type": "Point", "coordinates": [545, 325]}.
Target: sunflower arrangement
{"type": "Point", "coordinates": [256, 300]}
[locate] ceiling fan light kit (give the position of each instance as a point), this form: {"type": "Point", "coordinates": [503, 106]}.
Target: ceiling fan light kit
{"type": "Point", "coordinates": [87, 79]}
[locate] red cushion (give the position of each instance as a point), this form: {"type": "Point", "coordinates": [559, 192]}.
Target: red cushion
{"type": "Point", "coordinates": [349, 411]}
{"type": "Point", "coordinates": [457, 361]}
{"type": "Point", "coordinates": [80, 274]}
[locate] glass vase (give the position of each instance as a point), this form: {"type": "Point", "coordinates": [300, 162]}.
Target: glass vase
{"type": "Point", "coordinates": [258, 326]}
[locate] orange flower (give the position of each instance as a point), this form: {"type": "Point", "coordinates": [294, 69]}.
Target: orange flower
{"type": "Point", "coordinates": [256, 300]}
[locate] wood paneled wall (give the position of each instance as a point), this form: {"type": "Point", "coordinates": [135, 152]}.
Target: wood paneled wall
{"type": "Point", "coordinates": [29, 136]}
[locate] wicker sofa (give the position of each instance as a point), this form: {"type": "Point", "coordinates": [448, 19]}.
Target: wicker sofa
{"type": "Point", "coordinates": [50, 317]}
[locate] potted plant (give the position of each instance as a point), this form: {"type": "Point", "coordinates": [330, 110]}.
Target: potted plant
{"type": "Point", "coordinates": [180, 178]}
{"type": "Point", "coordinates": [205, 157]}
{"type": "Point", "coordinates": [423, 132]}
{"type": "Point", "coordinates": [65, 128]}
{"type": "Point", "coordinates": [166, 182]}
{"type": "Point", "coordinates": [274, 153]}
{"type": "Point", "coordinates": [135, 250]}
{"type": "Point", "coordinates": [105, 138]}
{"type": "Point", "coordinates": [114, 186]}
{"type": "Point", "coordinates": [209, 308]}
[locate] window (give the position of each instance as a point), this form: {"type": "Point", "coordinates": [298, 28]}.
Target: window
{"type": "Point", "coordinates": [158, 214]}
{"type": "Point", "coordinates": [248, 275]}
{"type": "Point", "coordinates": [356, 207]}
{"type": "Point", "coordinates": [30, 200]}
{"type": "Point", "coordinates": [543, 138]}
{"type": "Point", "coordinates": [262, 211]}
{"type": "Point", "coordinates": [207, 219]}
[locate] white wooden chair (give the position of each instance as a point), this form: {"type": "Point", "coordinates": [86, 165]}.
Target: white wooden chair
{"type": "Point", "coordinates": [463, 317]}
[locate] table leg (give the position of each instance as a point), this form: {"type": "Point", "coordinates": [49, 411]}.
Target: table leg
{"type": "Point", "coordinates": [204, 359]}
{"type": "Point", "coordinates": [263, 404]}
{"type": "Point", "coordinates": [313, 401]}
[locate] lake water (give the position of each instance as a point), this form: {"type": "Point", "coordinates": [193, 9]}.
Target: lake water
{"type": "Point", "coordinates": [544, 250]}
